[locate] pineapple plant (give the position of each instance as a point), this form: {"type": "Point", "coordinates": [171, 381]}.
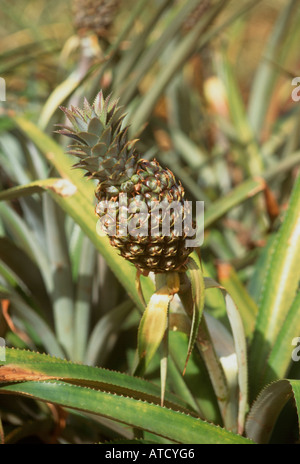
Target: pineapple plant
{"type": "Point", "coordinates": [142, 209]}
{"type": "Point", "coordinates": [95, 16]}
{"type": "Point", "coordinates": [130, 183]}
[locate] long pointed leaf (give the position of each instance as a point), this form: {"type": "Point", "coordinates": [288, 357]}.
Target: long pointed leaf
{"type": "Point", "coordinates": [60, 186]}
{"type": "Point", "coordinates": [26, 363]}
{"type": "Point", "coordinates": [164, 422]}
{"type": "Point", "coordinates": [241, 350]}
{"type": "Point", "coordinates": [280, 357]}
{"type": "Point", "coordinates": [279, 290]}
{"type": "Point", "coordinates": [266, 409]}
{"type": "Point", "coordinates": [198, 290]}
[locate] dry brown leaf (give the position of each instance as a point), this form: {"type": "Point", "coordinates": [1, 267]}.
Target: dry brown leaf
{"type": "Point", "coordinates": [13, 373]}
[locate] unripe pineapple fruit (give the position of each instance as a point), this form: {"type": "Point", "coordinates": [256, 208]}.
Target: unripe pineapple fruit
{"type": "Point", "coordinates": [94, 16]}
{"type": "Point", "coordinates": [125, 181]}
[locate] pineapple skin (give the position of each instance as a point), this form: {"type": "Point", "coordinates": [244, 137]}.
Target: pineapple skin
{"type": "Point", "coordinates": [127, 182]}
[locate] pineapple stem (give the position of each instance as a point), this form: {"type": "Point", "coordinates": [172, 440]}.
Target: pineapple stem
{"type": "Point", "coordinates": [209, 356]}
{"type": "Point", "coordinates": [161, 281]}
{"type": "Point", "coordinates": [139, 289]}
{"type": "Point", "coordinates": [164, 364]}
{"type": "Point", "coordinates": [171, 281]}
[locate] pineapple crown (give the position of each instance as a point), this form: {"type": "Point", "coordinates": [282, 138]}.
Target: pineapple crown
{"type": "Point", "coordinates": [101, 144]}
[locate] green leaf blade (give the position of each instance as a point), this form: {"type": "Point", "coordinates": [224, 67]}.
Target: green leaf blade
{"type": "Point", "coordinates": [164, 422]}
{"type": "Point", "coordinates": [279, 289]}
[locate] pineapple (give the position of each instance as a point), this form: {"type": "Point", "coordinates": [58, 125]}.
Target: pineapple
{"type": "Point", "coordinates": [125, 181]}
{"type": "Point", "coordinates": [95, 16]}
